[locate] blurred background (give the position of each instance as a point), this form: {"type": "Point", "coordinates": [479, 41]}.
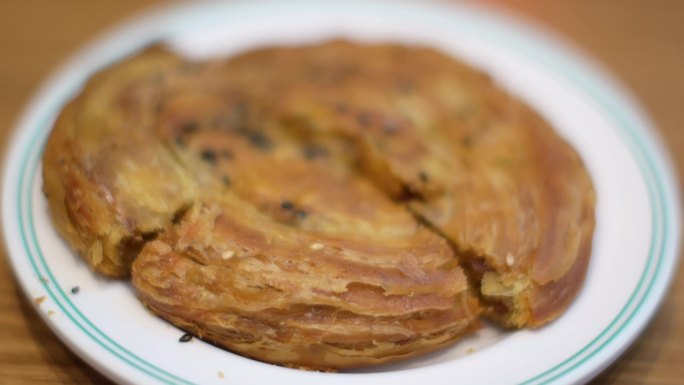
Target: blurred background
{"type": "Point", "coordinates": [640, 42]}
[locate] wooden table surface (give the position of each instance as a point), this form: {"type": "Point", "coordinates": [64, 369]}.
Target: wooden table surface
{"type": "Point", "coordinates": [642, 42]}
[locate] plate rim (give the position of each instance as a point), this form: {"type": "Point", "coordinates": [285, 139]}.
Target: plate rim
{"type": "Point", "coordinates": [636, 130]}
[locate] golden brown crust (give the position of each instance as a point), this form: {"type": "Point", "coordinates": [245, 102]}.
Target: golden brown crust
{"type": "Point", "coordinates": [299, 259]}
{"type": "Point", "coordinates": [94, 167]}
{"type": "Point", "coordinates": [480, 167]}
{"type": "Point", "coordinates": [310, 206]}
{"type": "Point", "coordinates": [233, 276]}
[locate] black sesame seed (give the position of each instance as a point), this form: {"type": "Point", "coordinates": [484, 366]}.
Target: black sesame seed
{"type": "Point", "coordinates": [467, 141]}
{"type": "Point", "coordinates": [75, 290]}
{"type": "Point", "coordinates": [423, 176]}
{"type": "Point", "coordinates": [341, 108]}
{"type": "Point", "coordinates": [301, 214]}
{"type": "Point", "coordinates": [286, 205]}
{"type": "Point", "coordinates": [209, 155]}
{"type": "Point", "coordinates": [226, 180]}
{"type": "Point", "coordinates": [185, 337]}
{"type": "Point", "coordinates": [259, 140]}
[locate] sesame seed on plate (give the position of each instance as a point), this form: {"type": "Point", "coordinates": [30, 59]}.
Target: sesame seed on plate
{"type": "Point", "coordinates": [509, 259]}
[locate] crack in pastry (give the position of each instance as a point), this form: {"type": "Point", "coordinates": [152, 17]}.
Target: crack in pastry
{"type": "Point", "coordinates": [484, 170]}
{"type": "Point", "coordinates": [314, 208]}
{"type": "Point", "coordinates": [390, 287]}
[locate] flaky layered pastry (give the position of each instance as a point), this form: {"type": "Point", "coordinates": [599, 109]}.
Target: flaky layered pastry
{"type": "Point", "coordinates": [327, 206]}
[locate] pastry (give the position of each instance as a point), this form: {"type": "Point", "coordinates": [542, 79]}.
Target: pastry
{"type": "Point", "coordinates": [321, 207]}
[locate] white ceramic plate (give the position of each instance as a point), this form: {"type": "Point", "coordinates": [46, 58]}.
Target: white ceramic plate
{"type": "Point", "coordinates": [634, 252]}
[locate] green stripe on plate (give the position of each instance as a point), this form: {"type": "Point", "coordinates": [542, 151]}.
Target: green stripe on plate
{"type": "Point", "coordinates": [60, 297]}
{"type": "Point", "coordinates": [510, 37]}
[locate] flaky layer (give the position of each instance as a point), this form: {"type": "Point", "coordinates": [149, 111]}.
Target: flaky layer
{"type": "Point", "coordinates": [290, 254]}
{"type": "Point", "coordinates": [313, 206]}
{"type": "Point", "coordinates": [288, 303]}
{"type": "Point", "coordinates": [110, 183]}
{"type": "Point", "coordinates": [478, 166]}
